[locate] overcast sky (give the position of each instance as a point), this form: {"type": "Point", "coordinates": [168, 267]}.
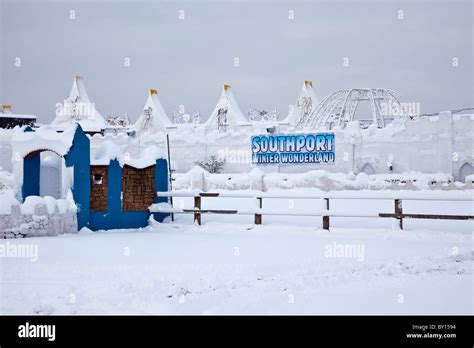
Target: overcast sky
{"type": "Point", "coordinates": [188, 60]}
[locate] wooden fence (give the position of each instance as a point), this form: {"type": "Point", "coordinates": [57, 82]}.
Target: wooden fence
{"type": "Point", "coordinates": [258, 211]}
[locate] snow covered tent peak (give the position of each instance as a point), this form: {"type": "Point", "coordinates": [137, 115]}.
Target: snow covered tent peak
{"type": "Point", "coordinates": [305, 104]}
{"type": "Point", "coordinates": [78, 90]}
{"type": "Point", "coordinates": [227, 115]}
{"type": "Point", "coordinates": [78, 108]}
{"type": "Point", "coordinates": [308, 91]}
{"type": "Point", "coordinates": [153, 117]}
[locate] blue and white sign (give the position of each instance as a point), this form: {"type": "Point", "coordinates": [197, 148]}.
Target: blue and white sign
{"type": "Point", "coordinates": [293, 149]}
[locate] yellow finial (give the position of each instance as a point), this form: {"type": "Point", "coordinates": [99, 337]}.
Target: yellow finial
{"type": "Point", "coordinates": [308, 82]}
{"type": "Point", "coordinates": [78, 77]}
{"type": "Point", "coordinates": [226, 87]}
{"type": "Point", "coordinates": [153, 91]}
{"type": "Point", "coordinates": [7, 107]}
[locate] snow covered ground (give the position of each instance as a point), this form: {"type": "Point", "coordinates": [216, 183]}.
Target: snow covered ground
{"type": "Point", "coordinates": [228, 265]}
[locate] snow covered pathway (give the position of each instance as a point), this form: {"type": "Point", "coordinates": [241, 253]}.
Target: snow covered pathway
{"type": "Point", "coordinates": [222, 268]}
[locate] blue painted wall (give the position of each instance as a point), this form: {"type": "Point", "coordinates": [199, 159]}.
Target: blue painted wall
{"type": "Point", "coordinates": [79, 157]}
{"type": "Point", "coordinates": [31, 176]}
{"type": "Point", "coordinates": [161, 184]}
{"type": "Point", "coordinates": [114, 217]}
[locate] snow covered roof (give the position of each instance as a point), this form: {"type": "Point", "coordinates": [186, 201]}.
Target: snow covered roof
{"type": "Point", "coordinates": [43, 138]}
{"type": "Point", "coordinates": [109, 151]}
{"type": "Point", "coordinates": [234, 117]}
{"type": "Point", "coordinates": [78, 108]}
{"type": "Point", "coordinates": [6, 111]}
{"type": "Point", "coordinates": [153, 117]}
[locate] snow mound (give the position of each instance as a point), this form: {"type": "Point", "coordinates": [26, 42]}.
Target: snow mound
{"type": "Point", "coordinates": [6, 180]}
{"type": "Point", "coordinates": [7, 200]}
{"type": "Point", "coordinates": [109, 151]}
{"type": "Point", "coordinates": [198, 178]}
{"type": "Point", "coordinates": [147, 158]}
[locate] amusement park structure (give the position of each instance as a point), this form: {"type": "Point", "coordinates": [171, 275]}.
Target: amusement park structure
{"type": "Point", "coordinates": [374, 131]}
{"type": "Point", "coordinates": [339, 108]}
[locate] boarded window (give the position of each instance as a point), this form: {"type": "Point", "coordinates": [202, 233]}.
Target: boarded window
{"type": "Point", "coordinates": [138, 188]}
{"type": "Point", "coordinates": [98, 200]}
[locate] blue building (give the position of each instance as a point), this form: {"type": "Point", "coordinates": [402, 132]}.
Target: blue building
{"type": "Point", "coordinates": [109, 191]}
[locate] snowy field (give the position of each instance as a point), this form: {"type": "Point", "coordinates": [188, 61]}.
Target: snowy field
{"type": "Point", "coordinates": [288, 265]}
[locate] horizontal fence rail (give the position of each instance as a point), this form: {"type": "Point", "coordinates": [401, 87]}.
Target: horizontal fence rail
{"type": "Point", "coordinates": [258, 211]}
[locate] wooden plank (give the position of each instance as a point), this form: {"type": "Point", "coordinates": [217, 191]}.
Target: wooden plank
{"type": "Point", "coordinates": [209, 194]}
{"type": "Point", "coordinates": [462, 197]}
{"type": "Point", "coordinates": [258, 217]}
{"type": "Point", "coordinates": [399, 211]}
{"type": "Point", "coordinates": [326, 218]}
{"type": "Point", "coordinates": [428, 216]}
{"type": "Point", "coordinates": [210, 211]}
{"type": "Point", "coordinates": [197, 212]}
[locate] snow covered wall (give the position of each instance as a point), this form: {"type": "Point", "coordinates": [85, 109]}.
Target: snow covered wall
{"type": "Point", "coordinates": [440, 144]}
{"type": "Point", "coordinates": [424, 144]}
{"type": "Point", "coordinates": [36, 217]}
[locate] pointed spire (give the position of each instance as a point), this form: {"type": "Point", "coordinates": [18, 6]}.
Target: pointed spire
{"type": "Point", "coordinates": [227, 113]}
{"type": "Point", "coordinates": [153, 117]}
{"type": "Point", "coordinates": [77, 108]}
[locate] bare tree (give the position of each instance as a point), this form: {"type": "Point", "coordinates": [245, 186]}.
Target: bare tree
{"type": "Point", "coordinates": [211, 165]}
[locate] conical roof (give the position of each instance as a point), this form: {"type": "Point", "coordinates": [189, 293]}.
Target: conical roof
{"type": "Point", "coordinates": [305, 104]}
{"type": "Point", "coordinates": [227, 113]}
{"type": "Point", "coordinates": [77, 108]}
{"type": "Point", "coordinates": [153, 117]}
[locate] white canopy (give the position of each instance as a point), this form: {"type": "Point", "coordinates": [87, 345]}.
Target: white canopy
{"type": "Point", "coordinates": [153, 117]}
{"type": "Point", "coordinates": [305, 104]}
{"type": "Point", "coordinates": [227, 114]}
{"type": "Point", "coordinates": [77, 108]}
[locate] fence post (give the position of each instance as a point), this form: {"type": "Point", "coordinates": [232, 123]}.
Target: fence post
{"type": "Point", "coordinates": [399, 212]}
{"type": "Point", "coordinates": [326, 218]}
{"type": "Point", "coordinates": [258, 217]}
{"type": "Point", "coordinates": [197, 205]}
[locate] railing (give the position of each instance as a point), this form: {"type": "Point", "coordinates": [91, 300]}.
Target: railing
{"type": "Point", "coordinates": [258, 211]}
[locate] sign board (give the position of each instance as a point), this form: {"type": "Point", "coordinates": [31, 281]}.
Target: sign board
{"type": "Point", "coordinates": [285, 149]}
